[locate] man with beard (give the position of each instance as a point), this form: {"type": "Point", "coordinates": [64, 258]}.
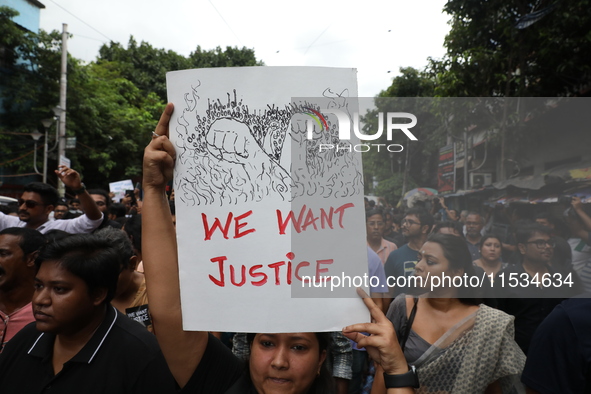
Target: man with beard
{"type": "Point", "coordinates": [416, 226]}
{"type": "Point", "coordinates": [39, 199]}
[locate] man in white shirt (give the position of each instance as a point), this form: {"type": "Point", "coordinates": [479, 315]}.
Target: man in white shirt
{"type": "Point", "coordinates": [39, 199]}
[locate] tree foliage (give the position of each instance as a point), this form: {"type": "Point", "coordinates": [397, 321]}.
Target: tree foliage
{"type": "Point", "coordinates": [147, 66]}
{"type": "Point", "coordinates": [29, 87]}
{"type": "Point", "coordinates": [405, 94]}
{"type": "Point", "coordinates": [112, 120]}
{"type": "Point", "coordinates": [110, 117]}
{"type": "Point", "coordinates": [113, 104]}
{"type": "Point", "coordinates": [497, 48]}
{"type": "Point", "coordinates": [515, 48]}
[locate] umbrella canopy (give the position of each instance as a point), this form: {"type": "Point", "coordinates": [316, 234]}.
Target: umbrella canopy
{"type": "Point", "coordinates": [425, 191]}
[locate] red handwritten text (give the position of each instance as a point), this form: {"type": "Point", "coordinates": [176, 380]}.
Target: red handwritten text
{"type": "Point", "coordinates": [225, 229]}
{"type": "Point", "coordinates": [259, 274]}
{"type": "Point", "coordinates": [307, 218]}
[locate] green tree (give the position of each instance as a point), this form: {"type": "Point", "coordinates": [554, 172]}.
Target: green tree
{"type": "Point", "coordinates": [147, 66]}
{"type": "Point", "coordinates": [407, 93]}
{"type": "Point", "coordinates": [112, 104]}
{"type": "Point", "coordinates": [29, 88]}
{"type": "Point", "coordinates": [110, 117]}
{"type": "Point", "coordinates": [515, 48]}
{"type": "Point", "coordinates": [31, 72]}
{"type": "Point", "coordinates": [112, 120]}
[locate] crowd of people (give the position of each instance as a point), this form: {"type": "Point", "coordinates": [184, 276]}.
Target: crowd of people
{"type": "Point", "coordinates": [90, 302]}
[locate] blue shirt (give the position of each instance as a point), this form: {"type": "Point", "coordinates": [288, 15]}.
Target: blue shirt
{"type": "Point", "coordinates": [401, 262]}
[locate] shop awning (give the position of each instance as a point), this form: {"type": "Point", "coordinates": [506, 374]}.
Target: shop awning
{"type": "Point", "coordinates": [571, 172]}
{"type": "Point", "coordinates": [532, 182]}
{"type": "Point", "coordinates": [582, 190]}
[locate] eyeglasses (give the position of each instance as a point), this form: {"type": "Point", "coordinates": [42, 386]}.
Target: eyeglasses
{"type": "Point", "coordinates": [29, 203]}
{"type": "Point", "coordinates": [409, 222]}
{"type": "Point", "coordinates": [100, 203]}
{"type": "Point", "coordinates": [541, 244]}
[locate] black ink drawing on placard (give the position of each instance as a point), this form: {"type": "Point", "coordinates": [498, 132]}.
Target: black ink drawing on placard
{"type": "Point", "coordinates": [233, 153]}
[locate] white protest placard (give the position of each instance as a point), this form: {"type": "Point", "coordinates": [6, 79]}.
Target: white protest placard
{"type": "Point", "coordinates": [64, 161]}
{"type": "Point", "coordinates": [264, 214]}
{"type": "Point", "coordinates": [119, 188]}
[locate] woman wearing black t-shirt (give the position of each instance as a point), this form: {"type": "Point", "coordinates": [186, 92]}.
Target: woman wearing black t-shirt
{"type": "Point", "coordinates": [286, 362]}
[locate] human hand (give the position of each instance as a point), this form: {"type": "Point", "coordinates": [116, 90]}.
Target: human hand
{"type": "Point", "coordinates": [382, 344]}
{"type": "Point", "coordinates": [69, 177]}
{"type": "Point", "coordinates": [159, 155]}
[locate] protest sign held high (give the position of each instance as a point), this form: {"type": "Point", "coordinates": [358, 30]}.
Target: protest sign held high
{"type": "Point", "coordinates": [264, 216]}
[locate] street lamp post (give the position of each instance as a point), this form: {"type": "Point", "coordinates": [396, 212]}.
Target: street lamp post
{"type": "Point", "coordinates": [46, 124]}
{"type": "Point", "coordinates": [36, 136]}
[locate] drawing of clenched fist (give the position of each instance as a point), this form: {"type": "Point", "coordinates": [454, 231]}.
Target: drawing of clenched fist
{"type": "Point", "coordinates": [231, 140]}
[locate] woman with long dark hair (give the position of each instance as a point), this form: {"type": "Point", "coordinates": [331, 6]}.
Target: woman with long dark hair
{"type": "Point", "coordinates": [457, 344]}
{"type": "Point", "coordinates": [490, 255]}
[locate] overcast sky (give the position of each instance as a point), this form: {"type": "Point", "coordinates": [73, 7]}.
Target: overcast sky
{"type": "Point", "coordinates": [376, 37]}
